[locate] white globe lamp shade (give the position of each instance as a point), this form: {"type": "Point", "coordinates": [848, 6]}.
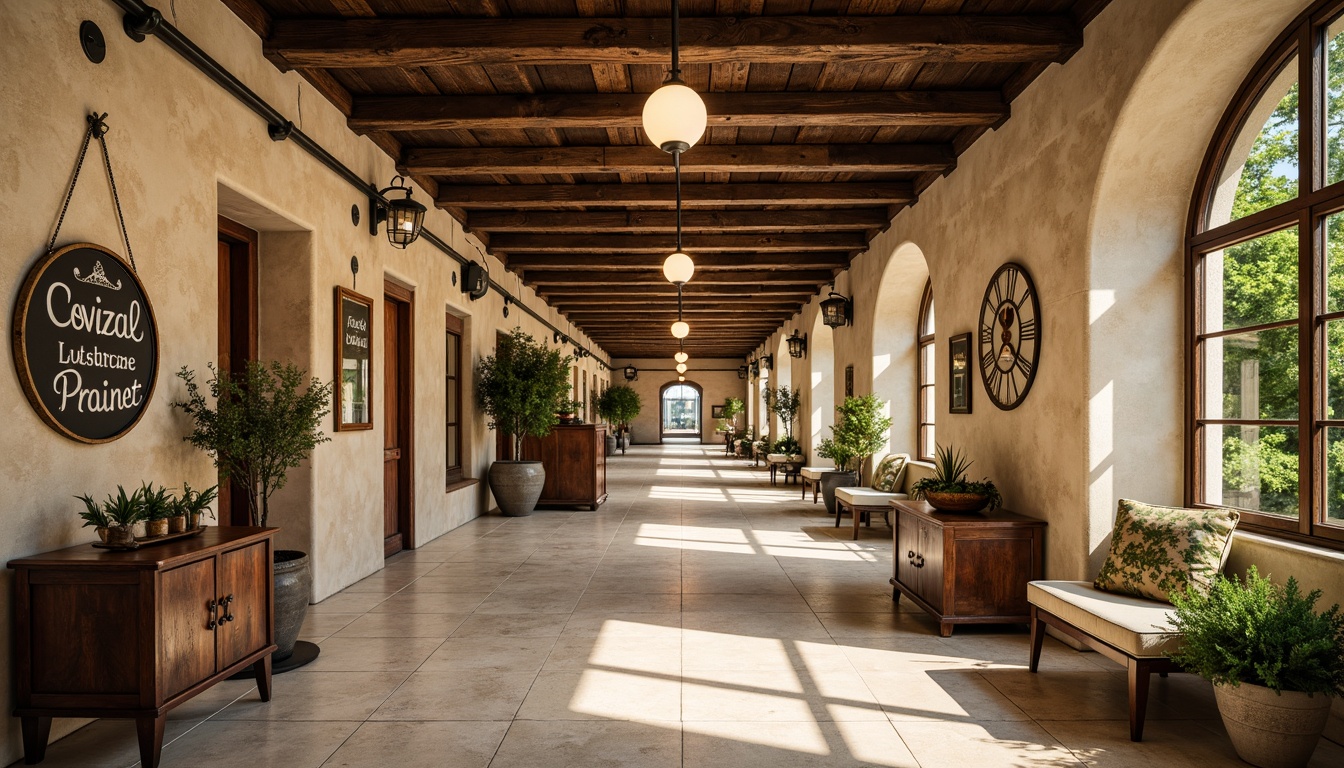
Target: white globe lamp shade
{"type": "Point", "coordinates": [681, 357]}
{"type": "Point", "coordinates": [681, 367]}
{"type": "Point", "coordinates": [675, 117]}
{"type": "Point", "coordinates": [681, 378]}
{"type": "Point", "coordinates": [680, 330]}
{"type": "Point", "coordinates": [678, 268]}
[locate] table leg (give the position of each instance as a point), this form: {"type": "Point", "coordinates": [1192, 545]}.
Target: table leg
{"type": "Point", "coordinates": [36, 731]}
{"type": "Point", "coordinates": [150, 732]}
{"type": "Point", "coordinates": [263, 669]}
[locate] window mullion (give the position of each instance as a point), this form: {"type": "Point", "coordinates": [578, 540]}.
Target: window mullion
{"type": "Point", "coordinates": [1309, 476]}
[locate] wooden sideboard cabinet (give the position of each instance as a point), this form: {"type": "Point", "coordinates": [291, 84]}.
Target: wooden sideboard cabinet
{"type": "Point", "coordinates": [134, 634]}
{"type": "Point", "coordinates": [575, 459]}
{"type": "Point", "coordinates": [966, 568]}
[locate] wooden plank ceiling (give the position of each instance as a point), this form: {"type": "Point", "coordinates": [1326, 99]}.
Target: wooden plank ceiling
{"type": "Point", "coordinates": [522, 117]}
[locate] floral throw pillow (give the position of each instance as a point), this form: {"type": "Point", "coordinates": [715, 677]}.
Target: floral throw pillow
{"type": "Point", "coordinates": [888, 476]}
{"type": "Point", "coordinates": [1156, 551]}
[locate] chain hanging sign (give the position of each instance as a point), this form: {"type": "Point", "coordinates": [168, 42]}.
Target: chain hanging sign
{"type": "Point", "coordinates": [86, 346]}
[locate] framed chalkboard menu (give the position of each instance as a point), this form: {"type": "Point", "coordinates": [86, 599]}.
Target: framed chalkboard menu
{"type": "Point", "coordinates": [354, 361]}
{"type": "Point", "coordinates": [86, 346]}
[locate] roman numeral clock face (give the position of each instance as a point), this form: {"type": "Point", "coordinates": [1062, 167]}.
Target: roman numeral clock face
{"type": "Point", "coordinates": [1009, 336]}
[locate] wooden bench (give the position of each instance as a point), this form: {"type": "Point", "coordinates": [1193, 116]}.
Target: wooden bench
{"type": "Point", "coordinates": [861, 503]}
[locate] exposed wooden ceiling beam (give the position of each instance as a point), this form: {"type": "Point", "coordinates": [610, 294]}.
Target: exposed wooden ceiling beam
{"type": "Point", "coordinates": [626, 310]}
{"type": "Point", "coordinates": [528, 242]}
{"type": "Point", "coordinates": [654, 261]}
{"type": "Point", "coordinates": [618, 281]}
{"type": "Point", "coordinates": [846, 219]}
{"type": "Point", "coordinates": [708, 158]}
{"type": "Point", "coordinates": [427, 42]}
{"type": "Point", "coordinates": [624, 110]}
{"type": "Point", "coordinates": [794, 287]}
{"type": "Point", "coordinates": [804, 194]}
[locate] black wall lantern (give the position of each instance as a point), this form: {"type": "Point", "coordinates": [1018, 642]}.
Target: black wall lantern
{"type": "Point", "coordinates": [797, 344]}
{"type": "Point", "coordinates": [837, 311]}
{"type": "Point", "coordinates": [475, 281]}
{"type": "Point", "coordinates": [768, 362]}
{"type": "Point", "coordinates": [755, 369]}
{"type": "Point", "coordinates": [742, 371]}
{"type": "Point", "coordinates": [404, 216]}
{"type": "Point", "coordinates": [631, 373]}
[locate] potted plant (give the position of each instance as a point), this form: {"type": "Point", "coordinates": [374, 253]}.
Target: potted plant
{"type": "Point", "coordinates": [94, 516]}
{"type": "Point", "coordinates": [566, 410]}
{"type": "Point", "coordinates": [122, 513]}
{"type": "Point", "coordinates": [860, 430]}
{"type": "Point", "coordinates": [196, 504]}
{"type": "Point", "coordinates": [1275, 663]}
{"type": "Point", "coordinates": [257, 426]}
{"type": "Point", "coordinates": [520, 388]}
{"type": "Point", "coordinates": [619, 406]}
{"type": "Point", "coordinates": [159, 507]}
{"type": "Point", "coordinates": [949, 490]}
{"type": "Point", "coordinates": [785, 403]}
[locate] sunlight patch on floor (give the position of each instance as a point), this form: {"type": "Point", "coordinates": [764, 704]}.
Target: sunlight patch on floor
{"type": "Point", "coordinates": [682, 493]}
{"type": "Point", "coordinates": [696, 473]}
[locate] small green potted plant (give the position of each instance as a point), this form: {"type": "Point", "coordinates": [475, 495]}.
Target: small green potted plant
{"type": "Point", "coordinates": [196, 504]}
{"type": "Point", "coordinates": [948, 490]}
{"type": "Point", "coordinates": [1275, 663]}
{"type": "Point", "coordinates": [860, 431]}
{"type": "Point", "coordinates": [619, 406]}
{"type": "Point", "coordinates": [94, 516]}
{"type": "Point", "coordinates": [123, 512]}
{"type": "Point", "coordinates": [785, 403]}
{"type": "Point", "coordinates": [159, 508]}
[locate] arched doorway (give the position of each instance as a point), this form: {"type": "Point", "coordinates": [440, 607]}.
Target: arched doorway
{"type": "Point", "coordinates": [680, 410]}
{"type": "Point", "coordinates": [896, 348]}
{"type": "Point", "coordinates": [821, 386]}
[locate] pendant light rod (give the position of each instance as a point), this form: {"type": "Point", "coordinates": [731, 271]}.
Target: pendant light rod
{"type": "Point", "coordinates": [676, 35]}
{"type": "Point", "coordinates": [676, 167]}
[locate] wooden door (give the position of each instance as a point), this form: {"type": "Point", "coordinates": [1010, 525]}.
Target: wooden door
{"type": "Point", "coordinates": [245, 609]}
{"type": "Point", "coordinates": [398, 396]}
{"type": "Point", "coordinates": [237, 334]}
{"type": "Point", "coordinates": [186, 647]}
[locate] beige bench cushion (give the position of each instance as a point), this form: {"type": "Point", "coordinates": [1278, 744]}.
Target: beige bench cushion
{"type": "Point", "coordinates": [815, 473]}
{"type": "Point", "coordinates": [1137, 626]}
{"type": "Point", "coordinates": [866, 497]}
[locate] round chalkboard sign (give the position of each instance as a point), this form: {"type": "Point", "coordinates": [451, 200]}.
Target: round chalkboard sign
{"type": "Point", "coordinates": [85, 343]}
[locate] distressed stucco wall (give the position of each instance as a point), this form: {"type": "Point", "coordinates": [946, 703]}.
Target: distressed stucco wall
{"type": "Point", "coordinates": [183, 152]}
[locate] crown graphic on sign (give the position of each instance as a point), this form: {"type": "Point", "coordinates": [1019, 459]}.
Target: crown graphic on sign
{"type": "Point", "coordinates": [98, 277]}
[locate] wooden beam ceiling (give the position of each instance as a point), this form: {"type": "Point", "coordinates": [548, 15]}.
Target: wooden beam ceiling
{"type": "Point", "coordinates": [793, 242]}
{"type": "Point", "coordinates": [430, 42]}
{"type": "Point", "coordinates": [653, 262]}
{"type": "Point", "coordinates": [662, 195]}
{"type": "Point", "coordinates": [557, 277]}
{"type": "Point", "coordinates": [715, 221]}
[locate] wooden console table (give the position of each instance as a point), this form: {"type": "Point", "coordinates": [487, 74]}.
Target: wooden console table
{"type": "Point", "coordinates": [134, 634]}
{"type": "Point", "coordinates": [966, 568]}
{"type": "Point", "coordinates": [575, 459]}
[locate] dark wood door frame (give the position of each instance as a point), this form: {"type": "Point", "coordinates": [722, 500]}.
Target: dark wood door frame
{"type": "Point", "coordinates": [404, 298]}
{"type": "Point", "coordinates": [237, 333]}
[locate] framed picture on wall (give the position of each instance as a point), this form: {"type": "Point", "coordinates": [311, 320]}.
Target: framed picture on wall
{"type": "Point", "coordinates": [959, 374]}
{"type": "Point", "coordinates": [716, 411]}
{"type": "Point", "coordinates": [353, 397]}
{"type": "Point", "coordinates": [849, 381]}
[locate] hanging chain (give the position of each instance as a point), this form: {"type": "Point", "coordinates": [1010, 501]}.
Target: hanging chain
{"type": "Point", "coordinates": [97, 129]}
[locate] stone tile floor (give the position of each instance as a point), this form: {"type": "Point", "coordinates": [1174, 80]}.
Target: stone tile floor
{"type": "Point", "coordinates": [700, 617]}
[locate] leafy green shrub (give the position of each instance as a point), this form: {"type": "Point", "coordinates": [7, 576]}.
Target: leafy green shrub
{"type": "Point", "coordinates": [859, 432]}
{"type": "Point", "coordinates": [522, 386]}
{"type": "Point", "coordinates": [784, 403]}
{"type": "Point", "coordinates": [158, 502]}
{"type": "Point", "coordinates": [619, 406]}
{"type": "Point", "coordinates": [787, 445]}
{"type": "Point", "coordinates": [93, 514]}
{"type": "Point", "coordinates": [1253, 631]}
{"type": "Point", "coordinates": [949, 476]}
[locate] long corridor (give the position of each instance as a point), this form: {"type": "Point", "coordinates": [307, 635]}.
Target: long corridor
{"type": "Point", "coordinates": [701, 617]}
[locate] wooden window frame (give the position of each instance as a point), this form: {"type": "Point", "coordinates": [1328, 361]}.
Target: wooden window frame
{"type": "Point", "coordinates": [927, 375]}
{"type": "Point", "coordinates": [1309, 211]}
{"type": "Point", "coordinates": [453, 474]}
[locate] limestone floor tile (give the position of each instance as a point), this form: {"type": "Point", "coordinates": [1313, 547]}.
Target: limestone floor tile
{"type": "Point", "coordinates": [452, 569]}
{"type": "Point", "coordinates": [435, 583]}
{"type": "Point", "coordinates": [510, 654]}
{"type": "Point", "coordinates": [658, 655]}
{"type": "Point", "coordinates": [949, 694]}
{"type": "Point", "coordinates": [1006, 743]}
{"type": "Point", "coordinates": [372, 654]}
{"type": "Point", "coordinates": [420, 745]}
{"type": "Point", "coordinates": [106, 744]}
{"type": "Point", "coordinates": [702, 602]}
{"type": "Point", "coordinates": [773, 584]}
{"type": "Point", "coordinates": [788, 695]}
{"type": "Point", "coordinates": [901, 652]}
{"type": "Point", "coordinates": [396, 566]}
{"type": "Point", "coordinates": [540, 601]}
{"type": "Point", "coordinates": [318, 696]}
{"type": "Point", "coordinates": [457, 695]}
{"type": "Point", "coordinates": [851, 602]}
{"type": "Point", "coordinates": [603, 694]}
{"type": "Point", "coordinates": [595, 744]}
{"type": "Point", "coordinates": [491, 626]}
{"type": "Point", "coordinates": [1093, 695]}
{"type": "Point", "coordinates": [421, 625]}
{"type": "Point", "coordinates": [624, 624]}
{"type": "Point", "coordinates": [806, 744]}
{"type": "Point", "coordinates": [785, 626]}
{"type": "Point", "coordinates": [654, 583]}
{"type": "Point", "coordinates": [432, 602]}
{"type": "Point", "coordinates": [1168, 744]}
{"type": "Point", "coordinates": [628, 602]}
{"type": "Point", "coordinates": [224, 744]}
{"type": "Point", "coordinates": [878, 625]}
{"type": "Point", "coordinates": [213, 700]}
{"type": "Point", "coordinates": [319, 626]}
{"type": "Point", "coordinates": [348, 602]}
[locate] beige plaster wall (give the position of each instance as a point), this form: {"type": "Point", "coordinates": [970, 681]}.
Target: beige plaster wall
{"type": "Point", "coordinates": [717, 379]}
{"type": "Point", "coordinates": [183, 151]}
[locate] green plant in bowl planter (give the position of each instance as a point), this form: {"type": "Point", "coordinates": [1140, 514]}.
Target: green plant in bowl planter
{"type": "Point", "coordinates": [94, 516]}
{"type": "Point", "coordinates": [949, 490]}
{"type": "Point", "coordinates": [123, 512]}
{"type": "Point", "coordinates": [159, 507]}
{"type": "Point", "coordinates": [1274, 662]}
{"type": "Point", "coordinates": [787, 445]}
{"type": "Point", "coordinates": [196, 504]}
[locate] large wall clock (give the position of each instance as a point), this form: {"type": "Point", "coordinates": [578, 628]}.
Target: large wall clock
{"type": "Point", "coordinates": [1010, 336]}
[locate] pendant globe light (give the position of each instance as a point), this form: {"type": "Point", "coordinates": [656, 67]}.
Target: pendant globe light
{"type": "Point", "coordinates": [678, 268]}
{"type": "Point", "coordinates": [674, 116]}
{"type": "Point", "coordinates": [680, 330]}
{"type": "Point", "coordinates": [681, 367]}
{"type": "Point", "coordinates": [681, 357]}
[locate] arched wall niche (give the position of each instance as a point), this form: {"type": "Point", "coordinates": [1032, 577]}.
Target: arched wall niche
{"type": "Point", "coordinates": [1140, 213]}
{"type": "Point", "coordinates": [820, 388]}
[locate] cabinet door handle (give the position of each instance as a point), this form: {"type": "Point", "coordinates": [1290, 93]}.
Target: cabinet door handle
{"type": "Point", "coordinates": [910, 555]}
{"type": "Point", "coordinates": [920, 563]}
{"type": "Point", "coordinates": [212, 607]}
{"type": "Point", "coordinates": [227, 604]}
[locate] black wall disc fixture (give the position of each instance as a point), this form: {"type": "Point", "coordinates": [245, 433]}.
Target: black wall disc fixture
{"type": "Point", "coordinates": [91, 40]}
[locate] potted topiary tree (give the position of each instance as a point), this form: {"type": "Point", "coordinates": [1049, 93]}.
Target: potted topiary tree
{"type": "Point", "coordinates": [619, 406]}
{"type": "Point", "coordinates": [785, 403]}
{"type": "Point", "coordinates": [859, 432]}
{"type": "Point", "coordinates": [1275, 663]}
{"type": "Point", "coordinates": [257, 426]}
{"type": "Point", "coordinates": [521, 387]}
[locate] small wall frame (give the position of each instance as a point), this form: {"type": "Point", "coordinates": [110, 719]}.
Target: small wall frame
{"type": "Point", "coordinates": [959, 374]}
{"type": "Point", "coordinates": [353, 398]}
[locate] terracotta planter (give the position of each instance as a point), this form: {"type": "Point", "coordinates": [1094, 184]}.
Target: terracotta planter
{"type": "Point", "coordinates": [293, 586]}
{"type": "Point", "coordinates": [1272, 730]}
{"type": "Point", "coordinates": [177, 524]}
{"type": "Point", "coordinates": [517, 486]}
{"type": "Point", "coordinates": [156, 528]}
{"type": "Point", "coordinates": [956, 502]}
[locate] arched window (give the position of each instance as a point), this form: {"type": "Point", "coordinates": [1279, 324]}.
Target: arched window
{"type": "Point", "coordinates": [680, 409]}
{"type": "Point", "coordinates": [1266, 292]}
{"type": "Point", "coordinates": [924, 337]}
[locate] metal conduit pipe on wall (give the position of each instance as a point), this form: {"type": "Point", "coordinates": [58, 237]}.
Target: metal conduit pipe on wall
{"type": "Point", "coordinates": [143, 20]}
